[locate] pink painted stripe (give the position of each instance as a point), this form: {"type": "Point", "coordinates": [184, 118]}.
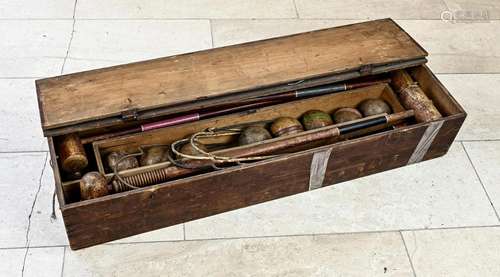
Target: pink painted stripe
{"type": "Point", "coordinates": [171, 122]}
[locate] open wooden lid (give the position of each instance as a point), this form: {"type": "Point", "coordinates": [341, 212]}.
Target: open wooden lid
{"type": "Point", "coordinates": [111, 95]}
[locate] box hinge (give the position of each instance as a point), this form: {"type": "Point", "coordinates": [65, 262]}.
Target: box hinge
{"type": "Point", "coordinates": [129, 115]}
{"type": "Point", "coordinates": [366, 69]}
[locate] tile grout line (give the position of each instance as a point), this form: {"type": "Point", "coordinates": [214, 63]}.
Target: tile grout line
{"type": "Point", "coordinates": [63, 260]}
{"type": "Point", "coordinates": [36, 19]}
{"type": "Point", "coordinates": [70, 38]}
{"type": "Point", "coordinates": [408, 254]}
{"type": "Point", "coordinates": [278, 236]}
{"type": "Point", "coordinates": [24, 152]}
{"type": "Point", "coordinates": [20, 77]}
{"type": "Point", "coordinates": [228, 18]}
{"type": "Point", "coordinates": [341, 233]}
{"type": "Point", "coordinates": [296, 10]}
{"type": "Point", "coordinates": [31, 213]}
{"type": "Point", "coordinates": [211, 31]}
{"type": "Point", "coordinates": [313, 234]}
{"type": "Point", "coordinates": [466, 73]}
{"type": "Point", "coordinates": [480, 181]}
{"type": "Point", "coordinates": [183, 231]}
{"type": "Point", "coordinates": [36, 247]}
{"type": "Point", "coordinates": [476, 140]}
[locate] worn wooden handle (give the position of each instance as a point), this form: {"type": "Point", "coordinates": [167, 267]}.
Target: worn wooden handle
{"type": "Point", "coordinates": [413, 97]}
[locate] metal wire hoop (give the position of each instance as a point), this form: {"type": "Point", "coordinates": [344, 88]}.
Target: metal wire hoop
{"type": "Point", "coordinates": [204, 155]}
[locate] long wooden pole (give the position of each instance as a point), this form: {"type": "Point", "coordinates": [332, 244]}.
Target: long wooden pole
{"type": "Point", "coordinates": [238, 106]}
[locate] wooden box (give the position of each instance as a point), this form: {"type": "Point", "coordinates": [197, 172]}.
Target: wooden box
{"type": "Point", "coordinates": [118, 98]}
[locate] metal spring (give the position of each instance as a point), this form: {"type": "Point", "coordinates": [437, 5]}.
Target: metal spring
{"type": "Point", "coordinates": [121, 183]}
{"type": "Point", "coordinates": [141, 180]}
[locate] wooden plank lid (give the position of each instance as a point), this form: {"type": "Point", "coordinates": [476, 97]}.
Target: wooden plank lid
{"type": "Point", "coordinates": [126, 90]}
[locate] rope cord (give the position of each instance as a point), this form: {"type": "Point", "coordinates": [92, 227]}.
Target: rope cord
{"type": "Point", "coordinates": [204, 155]}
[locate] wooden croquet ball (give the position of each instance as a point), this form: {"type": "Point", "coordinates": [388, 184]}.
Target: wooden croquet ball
{"type": "Point", "coordinates": [374, 106]}
{"type": "Point", "coordinates": [253, 134]}
{"type": "Point", "coordinates": [314, 119]}
{"type": "Point", "coordinates": [154, 155]}
{"type": "Point", "coordinates": [285, 126]}
{"type": "Point", "coordinates": [92, 185]}
{"type": "Point", "coordinates": [127, 163]}
{"type": "Point", "coordinates": [346, 114]}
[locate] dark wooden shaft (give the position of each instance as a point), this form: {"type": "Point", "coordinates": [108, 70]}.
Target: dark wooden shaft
{"type": "Point", "coordinates": [239, 106]}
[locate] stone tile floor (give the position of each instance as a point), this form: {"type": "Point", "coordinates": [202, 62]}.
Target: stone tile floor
{"type": "Point", "coordinates": [437, 218]}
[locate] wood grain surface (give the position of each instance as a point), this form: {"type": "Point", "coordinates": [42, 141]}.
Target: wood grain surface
{"type": "Point", "coordinates": [102, 93]}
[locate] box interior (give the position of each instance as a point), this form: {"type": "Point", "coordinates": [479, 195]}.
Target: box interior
{"type": "Point", "coordinates": [98, 150]}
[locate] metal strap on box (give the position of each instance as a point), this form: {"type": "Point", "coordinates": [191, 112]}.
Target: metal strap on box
{"type": "Point", "coordinates": [318, 168]}
{"type": "Point", "coordinates": [425, 142]}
